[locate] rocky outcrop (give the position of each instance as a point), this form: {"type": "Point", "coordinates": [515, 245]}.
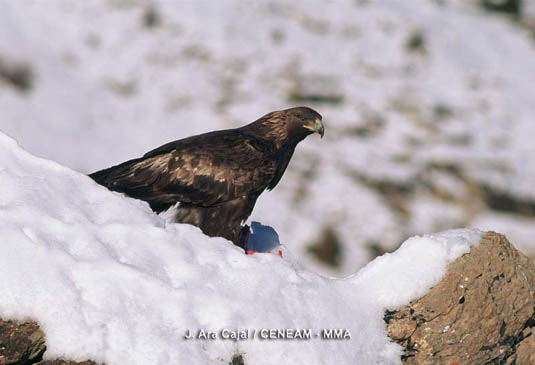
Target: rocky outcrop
{"type": "Point", "coordinates": [20, 343]}
{"type": "Point", "coordinates": [483, 311]}
{"type": "Point", "coordinates": [65, 362]}
{"type": "Point", "coordinates": [24, 344]}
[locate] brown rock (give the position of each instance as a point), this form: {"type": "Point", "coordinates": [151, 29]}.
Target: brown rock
{"type": "Point", "coordinates": [20, 343]}
{"type": "Point", "coordinates": [65, 362]}
{"type": "Point", "coordinates": [24, 344]}
{"type": "Point", "coordinates": [481, 312]}
{"type": "Point", "coordinates": [525, 352]}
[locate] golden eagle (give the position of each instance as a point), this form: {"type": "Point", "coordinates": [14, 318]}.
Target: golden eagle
{"type": "Point", "coordinates": [217, 176]}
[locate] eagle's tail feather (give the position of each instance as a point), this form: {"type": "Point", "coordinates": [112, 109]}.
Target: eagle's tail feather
{"type": "Point", "coordinates": [117, 178]}
{"type": "Point", "coordinates": [100, 177]}
{"type": "Point", "coordinates": [108, 176]}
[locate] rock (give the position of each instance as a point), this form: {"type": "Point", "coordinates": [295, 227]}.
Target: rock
{"type": "Point", "coordinates": [20, 343]}
{"type": "Point", "coordinates": [525, 352]}
{"type": "Point", "coordinates": [18, 75]}
{"type": "Point", "coordinates": [315, 89]}
{"type": "Point", "coordinates": [237, 359]}
{"type": "Point", "coordinates": [24, 344]}
{"type": "Point", "coordinates": [65, 362]}
{"type": "Point", "coordinates": [483, 311]}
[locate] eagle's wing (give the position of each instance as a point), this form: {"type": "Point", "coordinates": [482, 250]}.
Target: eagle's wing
{"type": "Point", "coordinates": [203, 170]}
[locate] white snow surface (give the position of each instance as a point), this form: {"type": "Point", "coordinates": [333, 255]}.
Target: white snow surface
{"type": "Point", "coordinates": [107, 279]}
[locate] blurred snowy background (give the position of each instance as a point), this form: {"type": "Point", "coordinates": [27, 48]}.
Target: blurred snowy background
{"type": "Point", "coordinates": [429, 106]}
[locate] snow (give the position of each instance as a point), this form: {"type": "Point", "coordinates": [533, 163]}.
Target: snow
{"type": "Point", "coordinates": [109, 280]}
{"type": "Point", "coordinates": [107, 89]}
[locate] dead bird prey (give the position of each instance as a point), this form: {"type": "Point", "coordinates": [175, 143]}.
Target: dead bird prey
{"type": "Point", "coordinates": [217, 176]}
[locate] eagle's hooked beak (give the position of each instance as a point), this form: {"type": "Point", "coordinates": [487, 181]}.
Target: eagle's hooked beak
{"type": "Point", "coordinates": [316, 127]}
{"type": "Point", "coordinates": [320, 128]}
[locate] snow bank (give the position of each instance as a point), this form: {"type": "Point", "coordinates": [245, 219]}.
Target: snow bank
{"type": "Point", "coordinates": [109, 280]}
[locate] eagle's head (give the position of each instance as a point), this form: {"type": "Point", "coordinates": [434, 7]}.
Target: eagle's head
{"type": "Point", "coordinates": [306, 118]}
{"type": "Point", "coordinates": [286, 128]}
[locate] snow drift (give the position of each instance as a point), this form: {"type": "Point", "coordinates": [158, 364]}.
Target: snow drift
{"type": "Point", "coordinates": [109, 280]}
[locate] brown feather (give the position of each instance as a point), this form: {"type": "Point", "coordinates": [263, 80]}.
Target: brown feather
{"type": "Point", "coordinates": [216, 176]}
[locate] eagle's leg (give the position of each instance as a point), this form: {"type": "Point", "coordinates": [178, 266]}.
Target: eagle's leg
{"type": "Point", "coordinates": [243, 238]}
{"type": "Point", "coordinates": [223, 220]}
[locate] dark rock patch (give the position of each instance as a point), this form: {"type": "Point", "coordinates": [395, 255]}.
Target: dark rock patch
{"type": "Point", "coordinates": [19, 75]}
